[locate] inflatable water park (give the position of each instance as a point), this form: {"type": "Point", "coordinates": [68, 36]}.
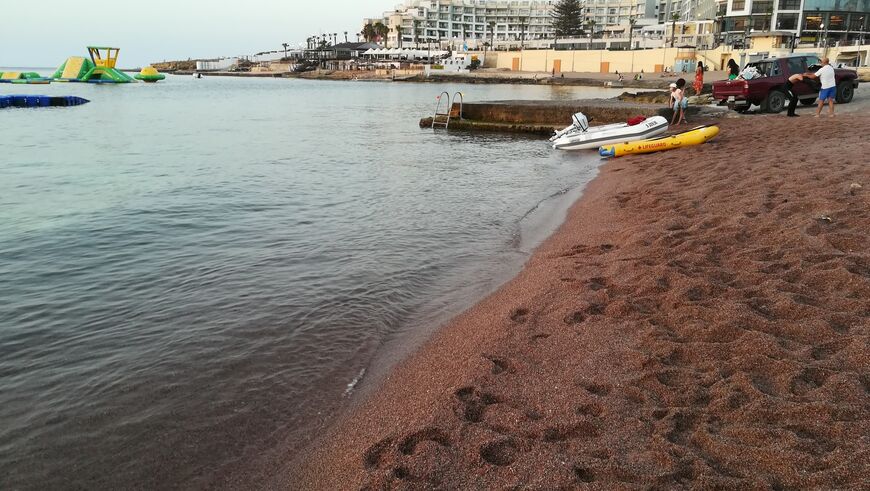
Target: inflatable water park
{"type": "Point", "coordinates": [97, 68]}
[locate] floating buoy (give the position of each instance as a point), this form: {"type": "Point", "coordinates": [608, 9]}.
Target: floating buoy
{"type": "Point", "coordinates": [149, 74]}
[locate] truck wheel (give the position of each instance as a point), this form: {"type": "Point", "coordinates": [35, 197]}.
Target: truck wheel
{"type": "Point", "coordinates": [845, 92]}
{"type": "Point", "coordinates": [808, 102]}
{"type": "Point", "coordinates": [774, 102]}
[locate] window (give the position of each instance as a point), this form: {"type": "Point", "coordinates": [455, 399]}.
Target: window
{"type": "Point", "coordinates": [787, 21]}
{"type": "Point", "coordinates": [738, 4]}
{"type": "Point", "coordinates": [767, 68]}
{"type": "Point", "coordinates": [856, 23]}
{"type": "Point", "coordinates": [789, 4]}
{"type": "Point", "coordinates": [761, 23]}
{"type": "Point", "coordinates": [762, 7]}
{"type": "Point", "coordinates": [795, 65]}
{"type": "Point", "coordinates": [812, 22]}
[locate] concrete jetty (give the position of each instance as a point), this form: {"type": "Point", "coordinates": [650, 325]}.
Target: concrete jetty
{"type": "Point", "coordinates": [543, 117]}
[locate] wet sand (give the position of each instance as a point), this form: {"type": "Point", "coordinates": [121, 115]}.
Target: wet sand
{"type": "Point", "coordinates": [701, 319]}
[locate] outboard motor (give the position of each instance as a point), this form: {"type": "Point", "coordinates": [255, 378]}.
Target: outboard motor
{"type": "Point", "coordinates": [580, 121]}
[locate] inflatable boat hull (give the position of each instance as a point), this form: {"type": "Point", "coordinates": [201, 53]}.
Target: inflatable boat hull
{"type": "Point", "coordinates": [612, 133]}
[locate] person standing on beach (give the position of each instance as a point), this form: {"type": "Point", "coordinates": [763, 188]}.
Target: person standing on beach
{"type": "Point", "coordinates": [828, 79]}
{"type": "Point", "coordinates": [733, 69]}
{"type": "Point", "coordinates": [699, 78]}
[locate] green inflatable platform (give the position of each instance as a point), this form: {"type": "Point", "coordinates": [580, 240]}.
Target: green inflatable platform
{"type": "Point", "coordinates": [100, 68]}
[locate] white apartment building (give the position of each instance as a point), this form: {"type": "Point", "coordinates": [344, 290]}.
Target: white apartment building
{"type": "Point", "coordinates": [687, 10]}
{"type": "Point", "coordinates": [508, 23]}
{"type": "Point", "coordinates": [431, 21]}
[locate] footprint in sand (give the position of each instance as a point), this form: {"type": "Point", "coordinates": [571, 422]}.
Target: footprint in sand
{"type": "Point", "coordinates": [500, 365]}
{"type": "Point", "coordinates": [581, 430]}
{"type": "Point", "coordinates": [409, 443]}
{"type": "Point", "coordinates": [500, 452]}
{"type": "Point", "coordinates": [519, 315]}
{"type": "Point", "coordinates": [473, 403]}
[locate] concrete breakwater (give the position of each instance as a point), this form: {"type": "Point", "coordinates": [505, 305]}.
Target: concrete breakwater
{"type": "Point", "coordinates": [544, 117]}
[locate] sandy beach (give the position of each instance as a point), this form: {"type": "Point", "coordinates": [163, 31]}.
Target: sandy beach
{"type": "Point", "coordinates": [701, 319]}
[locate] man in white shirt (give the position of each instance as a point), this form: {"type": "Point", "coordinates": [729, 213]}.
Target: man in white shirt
{"type": "Point", "coordinates": [828, 79]}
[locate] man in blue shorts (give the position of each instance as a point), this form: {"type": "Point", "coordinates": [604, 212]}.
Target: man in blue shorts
{"type": "Point", "coordinates": [827, 77]}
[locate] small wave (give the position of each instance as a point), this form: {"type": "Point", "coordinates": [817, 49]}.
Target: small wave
{"type": "Point", "coordinates": [353, 383]}
{"type": "Point", "coordinates": [531, 210]}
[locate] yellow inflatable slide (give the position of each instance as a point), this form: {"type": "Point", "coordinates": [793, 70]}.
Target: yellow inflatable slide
{"type": "Point", "coordinates": [695, 136]}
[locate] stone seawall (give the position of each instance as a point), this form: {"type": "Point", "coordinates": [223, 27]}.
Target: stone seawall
{"type": "Point", "coordinates": [543, 117]}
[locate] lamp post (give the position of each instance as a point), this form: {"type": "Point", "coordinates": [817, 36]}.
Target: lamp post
{"type": "Point", "coordinates": [821, 36]}
{"type": "Point", "coordinates": [825, 38]}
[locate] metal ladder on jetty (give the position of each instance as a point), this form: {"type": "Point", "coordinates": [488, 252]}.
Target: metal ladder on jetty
{"type": "Point", "coordinates": [443, 118]}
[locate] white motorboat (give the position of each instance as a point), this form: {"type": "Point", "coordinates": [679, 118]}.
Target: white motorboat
{"type": "Point", "coordinates": [579, 136]}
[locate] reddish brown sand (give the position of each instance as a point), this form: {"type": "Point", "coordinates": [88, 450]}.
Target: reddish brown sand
{"type": "Point", "coordinates": [700, 320]}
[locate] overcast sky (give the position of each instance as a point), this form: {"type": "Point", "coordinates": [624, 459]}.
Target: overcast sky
{"type": "Point", "coordinates": [44, 33]}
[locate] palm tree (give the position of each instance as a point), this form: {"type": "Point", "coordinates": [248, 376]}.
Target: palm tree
{"type": "Point", "coordinates": [399, 32]}
{"type": "Point", "coordinates": [674, 18]}
{"type": "Point", "coordinates": [591, 25]}
{"type": "Point", "coordinates": [491, 25]}
{"type": "Point", "coordinates": [631, 22]}
{"type": "Point", "coordinates": [369, 33]}
{"type": "Point", "coordinates": [345, 36]}
{"type": "Point", "coordinates": [381, 31]}
{"type": "Point", "coordinates": [522, 32]}
{"type": "Point", "coordinates": [285, 49]}
{"type": "Point", "coordinates": [416, 34]}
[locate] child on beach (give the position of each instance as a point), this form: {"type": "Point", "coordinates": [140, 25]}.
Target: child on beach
{"type": "Point", "coordinates": [680, 103]}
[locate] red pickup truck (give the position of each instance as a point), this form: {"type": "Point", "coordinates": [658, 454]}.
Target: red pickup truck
{"type": "Point", "coordinates": [768, 91]}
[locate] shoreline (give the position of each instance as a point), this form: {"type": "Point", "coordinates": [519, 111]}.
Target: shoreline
{"type": "Point", "coordinates": [538, 383]}
{"type": "Point", "coordinates": [579, 79]}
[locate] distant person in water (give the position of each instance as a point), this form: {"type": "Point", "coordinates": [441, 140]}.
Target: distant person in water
{"type": "Point", "coordinates": [680, 103]}
{"type": "Point", "coordinates": [828, 78]}
{"type": "Point", "coordinates": [733, 69]}
{"type": "Point", "coordinates": [699, 79]}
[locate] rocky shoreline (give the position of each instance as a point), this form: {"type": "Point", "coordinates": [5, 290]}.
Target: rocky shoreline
{"type": "Point", "coordinates": [652, 82]}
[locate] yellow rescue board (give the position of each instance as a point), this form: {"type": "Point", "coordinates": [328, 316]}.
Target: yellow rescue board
{"type": "Point", "coordinates": [694, 136]}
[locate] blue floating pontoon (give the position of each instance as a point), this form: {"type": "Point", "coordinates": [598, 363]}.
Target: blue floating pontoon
{"type": "Point", "coordinates": [40, 101]}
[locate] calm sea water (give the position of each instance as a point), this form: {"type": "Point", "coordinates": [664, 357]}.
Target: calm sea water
{"type": "Point", "coordinates": [195, 275]}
